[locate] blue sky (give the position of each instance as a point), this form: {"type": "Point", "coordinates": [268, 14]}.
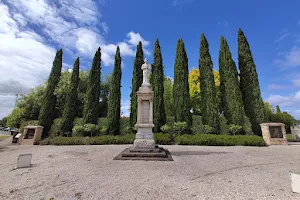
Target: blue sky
{"type": "Point", "coordinates": [32, 30]}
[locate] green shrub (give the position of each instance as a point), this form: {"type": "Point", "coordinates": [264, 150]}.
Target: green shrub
{"type": "Point", "coordinates": [27, 123]}
{"type": "Point", "coordinates": [197, 120]}
{"type": "Point", "coordinates": [69, 140]}
{"type": "Point", "coordinates": [166, 128]}
{"type": "Point", "coordinates": [111, 139]}
{"type": "Point", "coordinates": [78, 121]}
{"type": "Point", "coordinates": [220, 140]}
{"type": "Point", "coordinates": [223, 127]}
{"type": "Point", "coordinates": [125, 127]}
{"type": "Point", "coordinates": [235, 129]}
{"type": "Point", "coordinates": [86, 130]}
{"type": "Point", "coordinates": [55, 128]}
{"type": "Point", "coordinates": [247, 127]}
{"type": "Point", "coordinates": [161, 138]}
{"type": "Point", "coordinates": [102, 124]}
{"type": "Point", "coordinates": [180, 128]}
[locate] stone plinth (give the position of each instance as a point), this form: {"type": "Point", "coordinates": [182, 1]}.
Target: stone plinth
{"type": "Point", "coordinates": [32, 135]}
{"type": "Point", "coordinates": [144, 125]}
{"type": "Point", "coordinates": [274, 133]}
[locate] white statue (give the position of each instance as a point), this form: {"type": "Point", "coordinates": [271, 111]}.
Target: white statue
{"type": "Point", "coordinates": [146, 72]}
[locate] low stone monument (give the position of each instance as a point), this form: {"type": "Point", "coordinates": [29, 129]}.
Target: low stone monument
{"type": "Point", "coordinates": [144, 147]}
{"type": "Point", "coordinates": [31, 135]}
{"type": "Point", "coordinates": [274, 133]}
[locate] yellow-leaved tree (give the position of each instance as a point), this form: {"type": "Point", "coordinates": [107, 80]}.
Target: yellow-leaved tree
{"type": "Point", "coordinates": [194, 84]}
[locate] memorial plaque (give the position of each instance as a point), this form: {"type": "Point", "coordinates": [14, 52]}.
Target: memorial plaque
{"type": "Point", "coordinates": [145, 111]}
{"type": "Point", "coordinates": [275, 132]}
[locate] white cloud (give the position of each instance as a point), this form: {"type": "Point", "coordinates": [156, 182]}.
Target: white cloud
{"type": "Point", "coordinates": [290, 59]}
{"type": "Point", "coordinates": [276, 87]}
{"type": "Point", "coordinates": [285, 101]}
{"type": "Point", "coordinates": [125, 107]}
{"type": "Point", "coordinates": [135, 38]}
{"type": "Point", "coordinates": [283, 34]}
{"type": "Point", "coordinates": [27, 52]}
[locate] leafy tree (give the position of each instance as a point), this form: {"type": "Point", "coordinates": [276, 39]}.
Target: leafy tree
{"type": "Point", "coordinates": [47, 112]}
{"type": "Point", "coordinates": [278, 109]}
{"type": "Point", "coordinates": [209, 107]}
{"type": "Point", "coordinates": [31, 103]}
{"type": "Point", "coordinates": [159, 117]}
{"type": "Point", "coordinates": [91, 103]}
{"type": "Point", "coordinates": [70, 109]}
{"type": "Point", "coordinates": [194, 84]}
{"type": "Point", "coordinates": [268, 111]}
{"type": "Point", "coordinates": [3, 122]}
{"type": "Point", "coordinates": [168, 97]}
{"type": "Point", "coordinates": [114, 103]}
{"type": "Point", "coordinates": [181, 86]}
{"type": "Point", "coordinates": [249, 85]}
{"type": "Point", "coordinates": [15, 118]}
{"type": "Point", "coordinates": [137, 81]}
{"type": "Point", "coordinates": [231, 98]}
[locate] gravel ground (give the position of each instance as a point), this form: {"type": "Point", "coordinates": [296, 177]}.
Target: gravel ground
{"type": "Point", "coordinates": [197, 172]}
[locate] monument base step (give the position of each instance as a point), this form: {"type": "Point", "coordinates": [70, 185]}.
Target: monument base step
{"type": "Point", "coordinates": [154, 154]}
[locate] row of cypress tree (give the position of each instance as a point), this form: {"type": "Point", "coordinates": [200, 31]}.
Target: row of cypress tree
{"type": "Point", "coordinates": [239, 98]}
{"type": "Point", "coordinates": [92, 96]}
{"type": "Point", "coordinates": [240, 93]}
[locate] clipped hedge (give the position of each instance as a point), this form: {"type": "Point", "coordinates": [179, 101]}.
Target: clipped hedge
{"type": "Point", "coordinates": [162, 139]}
{"type": "Point", "coordinates": [220, 140]}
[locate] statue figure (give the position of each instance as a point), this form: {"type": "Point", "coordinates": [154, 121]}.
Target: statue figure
{"type": "Point", "coordinates": [146, 72]}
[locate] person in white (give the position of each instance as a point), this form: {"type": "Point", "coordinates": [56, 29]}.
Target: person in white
{"type": "Point", "coordinates": [146, 72]}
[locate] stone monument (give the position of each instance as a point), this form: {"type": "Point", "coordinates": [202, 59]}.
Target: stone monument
{"type": "Point", "coordinates": [274, 133]}
{"type": "Point", "coordinates": [144, 147]}
{"type": "Point", "coordinates": [144, 125]}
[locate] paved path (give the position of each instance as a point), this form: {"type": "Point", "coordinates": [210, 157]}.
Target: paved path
{"type": "Point", "coordinates": [89, 172]}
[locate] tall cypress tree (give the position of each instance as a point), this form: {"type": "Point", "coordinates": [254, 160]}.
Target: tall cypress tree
{"type": "Point", "coordinates": [181, 86]}
{"type": "Point", "coordinates": [137, 81]}
{"type": "Point", "coordinates": [249, 85]}
{"type": "Point", "coordinates": [209, 107]}
{"type": "Point", "coordinates": [47, 112]}
{"type": "Point", "coordinates": [231, 97]}
{"type": "Point", "coordinates": [91, 104]}
{"type": "Point", "coordinates": [114, 103]}
{"type": "Point", "coordinates": [70, 108]}
{"type": "Point", "coordinates": [159, 115]}
{"type": "Point", "coordinates": [278, 109]}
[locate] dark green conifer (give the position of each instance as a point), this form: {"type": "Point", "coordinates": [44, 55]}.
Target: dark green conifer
{"type": "Point", "coordinates": [278, 109]}
{"type": "Point", "coordinates": [137, 81]}
{"type": "Point", "coordinates": [181, 86]}
{"type": "Point", "coordinates": [114, 102]}
{"type": "Point", "coordinates": [249, 85]}
{"type": "Point", "coordinates": [91, 104]}
{"type": "Point", "coordinates": [47, 112]}
{"type": "Point", "coordinates": [209, 107]}
{"type": "Point", "coordinates": [159, 113]}
{"type": "Point", "coordinates": [231, 98]}
{"type": "Point", "coordinates": [71, 108]}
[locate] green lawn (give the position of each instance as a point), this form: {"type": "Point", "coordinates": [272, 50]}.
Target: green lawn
{"type": "Point", "coordinates": [2, 137]}
{"type": "Point", "coordinates": [289, 137]}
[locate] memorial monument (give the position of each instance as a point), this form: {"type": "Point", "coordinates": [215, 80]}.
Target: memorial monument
{"type": "Point", "coordinates": [274, 133]}
{"type": "Point", "coordinates": [144, 147]}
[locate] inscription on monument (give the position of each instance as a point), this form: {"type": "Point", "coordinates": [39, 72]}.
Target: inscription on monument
{"type": "Point", "coordinates": [145, 111]}
{"type": "Point", "coordinates": [275, 132]}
